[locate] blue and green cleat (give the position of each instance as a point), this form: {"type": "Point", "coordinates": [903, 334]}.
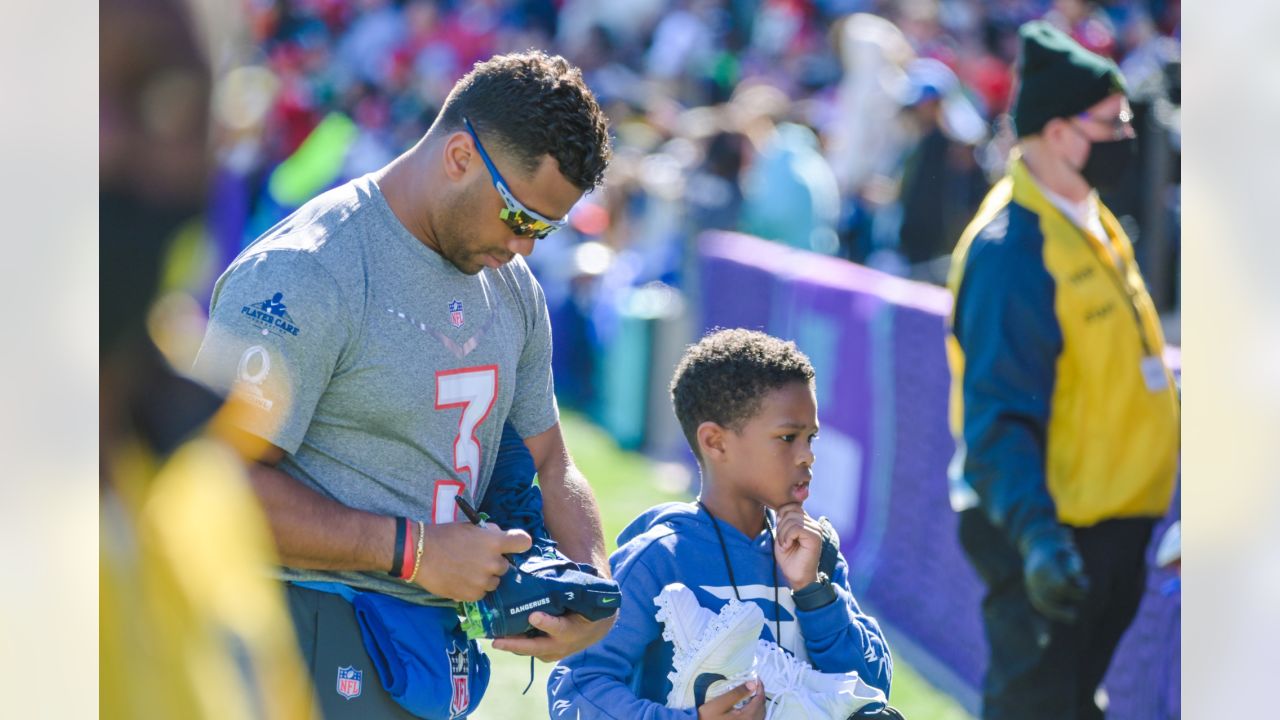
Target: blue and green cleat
{"type": "Point", "coordinates": [540, 581]}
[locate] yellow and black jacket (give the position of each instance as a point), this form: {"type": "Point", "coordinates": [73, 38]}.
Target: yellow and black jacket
{"type": "Point", "coordinates": [191, 624]}
{"type": "Point", "coordinates": [1053, 418]}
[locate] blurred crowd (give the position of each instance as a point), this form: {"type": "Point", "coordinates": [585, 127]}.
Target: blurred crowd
{"type": "Point", "coordinates": [865, 129]}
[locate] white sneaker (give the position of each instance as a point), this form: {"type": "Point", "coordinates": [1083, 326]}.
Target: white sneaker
{"type": "Point", "coordinates": [794, 689]}
{"type": "Point", "coordinates": [714, 653]}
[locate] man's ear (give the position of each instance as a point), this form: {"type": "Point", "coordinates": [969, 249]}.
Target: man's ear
{"type": "Point", "coordinates": [458, 155]}
{"type": "Point", "coordinates": [711, 440]}
{"type": "Point", "coordinates": [1055, 132]}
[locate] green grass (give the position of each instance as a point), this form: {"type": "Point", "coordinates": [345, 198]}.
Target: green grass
{"type": "Point", "coordinates": [625, 485]}
{"type": "Point", "coordinates": [917, 699]}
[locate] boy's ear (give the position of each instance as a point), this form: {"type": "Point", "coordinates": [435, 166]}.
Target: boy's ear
{"type": "Point", "coordinates": [711, 440]}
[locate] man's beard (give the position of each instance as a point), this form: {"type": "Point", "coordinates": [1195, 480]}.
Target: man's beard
{"type": "Point", "coordinates": [458, 241]}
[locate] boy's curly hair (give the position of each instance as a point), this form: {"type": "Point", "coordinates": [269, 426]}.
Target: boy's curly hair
{"type": "Point", "coordinates": [529, 105]}
{"type": "Point", "coordinates": [725, 376]}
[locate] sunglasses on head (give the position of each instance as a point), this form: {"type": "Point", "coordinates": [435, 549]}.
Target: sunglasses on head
{"type": "Point", "coordinates": [521, 220]}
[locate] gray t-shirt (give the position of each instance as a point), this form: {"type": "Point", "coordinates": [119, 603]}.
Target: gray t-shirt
{"type": "Point", "coordinates": [382, 371]}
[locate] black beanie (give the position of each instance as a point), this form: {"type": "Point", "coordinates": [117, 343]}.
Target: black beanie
{"type": "Point", "coordinates": [1058, 78]}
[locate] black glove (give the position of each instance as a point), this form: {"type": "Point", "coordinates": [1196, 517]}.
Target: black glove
{"type": "Point", "coordinates": [1054, 575]}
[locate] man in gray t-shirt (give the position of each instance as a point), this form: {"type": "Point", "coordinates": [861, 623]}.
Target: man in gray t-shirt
{"type": "Point", "coordinates": [380, 336]}
{"type": "Point", "coordinates": [380, 369]}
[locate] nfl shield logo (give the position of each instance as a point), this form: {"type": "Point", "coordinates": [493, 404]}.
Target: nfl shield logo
{"type": "Point", "coordinates": [461, 696]}
{"type": "Point", "coordinates": [459, 669]}
{"type": "Point", "coordinates": [455, 313]}
{"type": "Point", "coordinates": [349, 682]}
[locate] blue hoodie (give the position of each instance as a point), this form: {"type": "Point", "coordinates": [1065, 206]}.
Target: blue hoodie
{"type": "Point", "coordinates": [624, 675]}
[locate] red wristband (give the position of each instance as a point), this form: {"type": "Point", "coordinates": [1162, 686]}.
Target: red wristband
{"type": "Point", "coordinates": [407, 567]}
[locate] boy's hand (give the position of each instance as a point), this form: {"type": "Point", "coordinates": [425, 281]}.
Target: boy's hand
{"type": "Point", "coordinates": [566, 635]}
{"type": "Point", "coordinates": [797, 545]}
{"type": "Point", "coordinates": [722, 706]}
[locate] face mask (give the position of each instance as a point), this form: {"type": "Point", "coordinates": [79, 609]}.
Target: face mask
{"type": "Point", "coordinates": [1108, 163]}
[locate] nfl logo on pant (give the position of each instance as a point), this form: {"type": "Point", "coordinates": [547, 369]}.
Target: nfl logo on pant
{"type": "Point", "coordinates": [349, 682]}
{"type": "Point", "coordinates": [458, 669]}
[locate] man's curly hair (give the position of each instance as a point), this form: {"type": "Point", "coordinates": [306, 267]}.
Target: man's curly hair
{"type": "Point", "coordinates": [725, 376]}
{"type": "Point", "coordinates": [531, 104]}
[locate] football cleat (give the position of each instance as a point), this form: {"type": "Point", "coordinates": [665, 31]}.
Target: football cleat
{"type": "Point", "coordinates": [794, 690]}
{"type": "Point", "coordinates": [540, 581]}
{"type": "Point", "coordinates": [714, 652]}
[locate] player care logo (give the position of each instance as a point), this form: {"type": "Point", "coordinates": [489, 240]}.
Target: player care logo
{"type": "Point", "coordinates": [349, 682]}
{"type": "Point", "coordinates": [458, 670]}
{"type": "Point", "coordinates": [455, 313]}
{"type": "Point", "coordinates": [271, 316]}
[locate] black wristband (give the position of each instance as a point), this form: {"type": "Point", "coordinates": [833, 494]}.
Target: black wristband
{"type": "Point", "coordinates": [817, 594]}
{"type": "Point", "coordinates": [830, 548]}
{"type": "Point", "coordinates": [397, 557]}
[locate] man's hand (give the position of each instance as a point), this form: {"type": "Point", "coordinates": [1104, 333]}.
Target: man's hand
{"type": "Point", "coordinates": [797, 545]}
{"type": "Point", "coordinates": [461, 561]}
{"type": "Point", "coordinates": [722, 706]}
{"type": "Point", "coordinates": [1055, 578]}
{"type": "Point", "coordinates": [566, 635]}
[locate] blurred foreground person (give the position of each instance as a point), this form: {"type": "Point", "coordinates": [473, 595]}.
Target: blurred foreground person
{"type": "Point", "coordinates": [1065, 414]}
{"type": "Point", "coordinates": [190, 624]}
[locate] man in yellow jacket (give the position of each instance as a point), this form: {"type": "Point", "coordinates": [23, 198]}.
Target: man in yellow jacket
{"type": "Point", "coordinates": [1065, 415]}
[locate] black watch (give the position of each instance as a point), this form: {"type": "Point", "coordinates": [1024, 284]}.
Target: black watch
{"type": "Point", "coordinates": [816, 594]}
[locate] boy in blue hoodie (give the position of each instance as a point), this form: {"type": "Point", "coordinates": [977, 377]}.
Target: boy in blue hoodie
{"type": "Point", "coordinates": [745, 401]}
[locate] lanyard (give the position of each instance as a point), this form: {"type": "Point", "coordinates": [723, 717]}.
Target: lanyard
{"type": "Point", "coordinates": [777, 609]}
{"type": "Point", "coordinates": [1120, 277]}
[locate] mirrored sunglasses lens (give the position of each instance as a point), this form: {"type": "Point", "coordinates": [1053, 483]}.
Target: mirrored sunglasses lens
{"type": "Point", "coordinates": [523, 229]}
{"type": "Point", "coordinates": [532, 227]}
{"type": "Point", "coordinates": [523, 225]}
